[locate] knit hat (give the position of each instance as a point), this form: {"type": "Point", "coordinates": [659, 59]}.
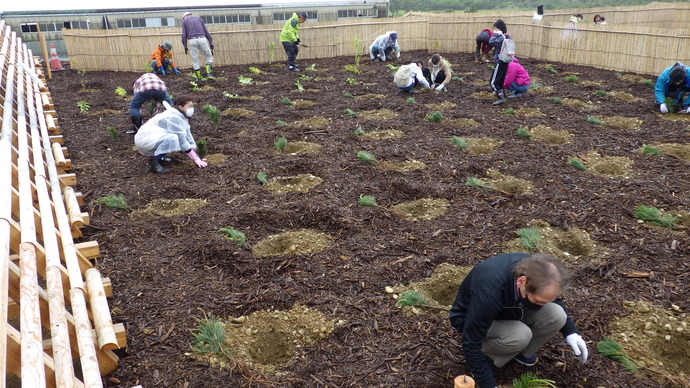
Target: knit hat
{"type": "Point", "coordinates": [501, 25]}
{"type": "Point", "coordinates": [167, 45]}
{"type": "Point", "coordinates": [677, 74]}
{"type": "Point", "coordinates": [186, 14]}
{"type": "Point", "coordinates": [394, 36]}
{"type": "Point", "coordinates": [303, 15]}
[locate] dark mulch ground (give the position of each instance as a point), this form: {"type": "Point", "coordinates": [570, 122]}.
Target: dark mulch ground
{"type": "Point", "coordinates": [168, 272]}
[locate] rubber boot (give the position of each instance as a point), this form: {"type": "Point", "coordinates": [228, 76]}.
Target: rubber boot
{"type": "Point", "coordinates": [196, 74]}
{"type": "Point", "coordinates": [136, 124]}
{"type": "Point", "coordinates": [476, 58]}
{"type": "Point", "coordinates": [501, 94]}
{"type": "Point", "coordinates": [208, 73]}
{"type": "Point", "coordinates": [156, 167]}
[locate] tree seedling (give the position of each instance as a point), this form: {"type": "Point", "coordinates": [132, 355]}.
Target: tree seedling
{"type": "Point", "coordinates": [367, 157]}
{"type": "Point", "coordinates": [209, 337]}
{"type": "Point", "coordinates": [601, 93]}
{"type": "Point", "coordinates": [434, 117]}
{"type": "Point", "coordinates": [648, 82]}
{"type": "Point", "coordinates": [367, 200]}
{"type": "Point", "coordinates": [392, 67]}
{"type": "Point", "coordinates": [285, 101]}
{"type": "Point", "coordinates": [412, 298]}
{"type": "Point", "coordinates": [298, 85]}
{"type": "Point", "coordinates": [358, 51]}
{"type": "Point", "coordinates": [230, 95]}
{"type": "Point", "coordinates": [551, 69]}
{"type": "Point", "coordinates": [556, 100]}
{"type": "Point", "coordinates": [577, 164]}
{"type": "Point", "coordinates": [617, 75]}
{"type": "Point", "coordinates": [254, 70]}
{"type": "Point", "coordinates": [351, 81]}
{"type": "Point", "coordinates": [120, 91]}
{"type": "Point", "coordinates": [113, 202]}
{"type": "Point", "coordinates": [594, 120]}
{"type": "Point", "coordinates": [671, 104]}
{"type": "Point", "coordinates": [654, 216]}
{"type": "Point", "coordinates": [509, 111]}
{"type": "Point", "coordinates": [312, 67]}
{"type": "Point", "coordinates": [201, 148]}
{"type": "Point", "coordinates": [234, 235]}
{"type": "Point", "coordinates": [271, 51]}
{"type": "Point", "coordinates": [411, 100]}
{"type": "Point", "coordinates": [530, 237]}
{"type": "Point", "coordinates": [359, 131]}
{"type": "Point", "coordinates": [244, 80]}
{"type": "Point", "coordinates": [213, 114]}
{"type": "Point", "coordinates": [353, 68]}
{"type": "Point", "coordinates": [523, 132]}
{"type": "Point", "coordinates": [280, 144]}
{"type": "Point", "coordinates": [280, 123]}
{"type": "Point", "coordinates": [261, 177]}
{"type": "Point", "coordinates": [530, 380]}
{"type": "Point", "coordinates": [112, 132]}
{"type": "Point", "coordinates": [83, 106]}
{"type": "Point", "coordinates": [608, 347]}
{"type": "Point", "coordinates": [305, 77]}
{"type": "Point", "coordinates": [349, 112]}
{"type": "Point", "coordinates": [649, 150]}
{"type": "Point", "coordinates": [535, 86]}
{"type": "Point", "coordinates": [474, 181]}
{"type": "Point", "coordinates": [572, 78]}
{"type": "Point", "coordinates": [348, 95]}
{"type": "Point", "coordinates": [459, 142]}
{"type": "Point", "coordinates": [194, 86]}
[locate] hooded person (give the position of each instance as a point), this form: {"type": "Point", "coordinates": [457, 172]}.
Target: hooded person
{"type": "Point", "coordinates": [168, 132]}
{"type": "Point", "coordinates": [289, 37]}
{"type": "Point", "coordinates": [673, 85]}
{"type": "Point", "coordinates": [384, 46]}
{"type": "Point", "coordinates": [517, 79]}
{"type": "Point", "coordinates": [162, 58]}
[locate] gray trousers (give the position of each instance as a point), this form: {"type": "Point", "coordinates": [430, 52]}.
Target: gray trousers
{"type": "Point", "coordinates": [505, 339]}
{"type": "Point", "coordinates": [196, 46]}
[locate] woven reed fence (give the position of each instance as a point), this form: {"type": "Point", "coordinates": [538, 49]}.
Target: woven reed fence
{"type": "Point", "coordinates": [53, 307]}
{"type": "Point", "coordinates": [643, 39]}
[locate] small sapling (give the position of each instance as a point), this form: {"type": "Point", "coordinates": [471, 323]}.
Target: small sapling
{"type": "Point", "coordinates": [509, 111]}
{"type": "Point", "coordinates": [577, 164]}
{"type": "Point", "coordinates": [572, 78]}
{"type": "Point", "coordinates": [254, 70]}
{"type": "Point", "coordinates": [359, 131]}
{"type": "Point", "coordinates": [367, 157]}
{"type": "Point", "coordinates": [654, 216]}
{"type": "Point", "coordinates": [213, 114]}
{"type": "Point", "coordinates": [280, 144]}
{"type": "Point", "coordinates": [594, 120]}
{"type": "Point", "coordinates": [556, 100]}
{"type": "Point", "coordinates": [285, 101]}
{"type": "Point", "coordinates": [434, 117]}
{"type": "Point", "coordinates": [523, 132]}
{"type": "Point", "coordinates": [120, 91]}
{"type": "Point", "coordinates": [113, 202]}
{"type": "Point", "coordinates": [112, 132]}
{"type": "Point", "coordinates": [83, 106]}
{"type": "Point", "coordinates": [201, 148]}
{"type": "Point", "coordinates": [459, 142]}
{"type": "Point", "coordinates": [234, 235]}
{"type": "Point", "coordinates": [411, 100]}
{"type": "Point", "coordinates": [349, 112]}
{"type": "Point", "coordinates": [261, 177]}
{"type": "Point", "coordinates": [530, 238]}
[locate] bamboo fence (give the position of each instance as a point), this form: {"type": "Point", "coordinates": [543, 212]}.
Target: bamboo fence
{"type": "Point", "coordinates": [44, 329]}
{"type": "Point", "coordinates": [644, 39]}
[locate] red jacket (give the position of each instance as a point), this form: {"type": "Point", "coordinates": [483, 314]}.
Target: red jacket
{"type": "Point", "coordinates": [160, 54]}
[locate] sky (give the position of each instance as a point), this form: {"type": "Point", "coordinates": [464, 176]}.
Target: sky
{"type": "Point", "coordinates": [39, 5]}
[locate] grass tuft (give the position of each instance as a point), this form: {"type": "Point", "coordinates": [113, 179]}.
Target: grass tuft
{"type": "Point", "coordinates": [649, 150]}
{"type": "Point", "coordinates": [434, 117]}
{"type": "Point", "coordinates": [654, 216]}
{"type": "Point", "coordinates": [523, 132]}
{"type": "Point", "coordinates": [572, 78]}
{"type": "Point", "coordinates": [459, 142]}
{"type": "Point", "coordinates": [648, 82]}
{"type": "Point", "coordinates": [367, 200]}
{"type": "Point", "coordinates": [367, 157]}
{"type": "Point", "coordinates": [556, 100]}
{"type": "Point", "coordinates": [608, 347]}
{"type": "Point", "coordinates": [209, 337]}
{"type": "Point", "coordinates": [594, 120]}
{"type": "Point", "coordinates": [530, 237]}
{"type": "Point", "coordinates": [113, 202]}
{"type": "Point", "coordinates": [577, 164]}
{"type": "Point", "coordinates": [411, 298]}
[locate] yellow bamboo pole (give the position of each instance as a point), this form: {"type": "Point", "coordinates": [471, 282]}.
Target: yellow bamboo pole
{"type": "Point", "coordinates": [107, 339]}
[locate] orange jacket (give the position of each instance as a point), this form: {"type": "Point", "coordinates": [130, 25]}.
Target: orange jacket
{"type": "Point", "coordinates": [160, 54]}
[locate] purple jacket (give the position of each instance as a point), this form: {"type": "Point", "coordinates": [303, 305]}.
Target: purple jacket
{"type": "Point", "coordinates": [516, 73]}
{"type": "Point", "coordinates": [194, 27]}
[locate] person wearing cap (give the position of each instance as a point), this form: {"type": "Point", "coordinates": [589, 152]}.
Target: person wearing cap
{"type": "Point", "coordinates": [383, 46]}
{"type": "Point", "coordinates": [196, 39]}
{"type": "Point", "coordinates": [438, 72]}
{"type": "Point", "coordinates": [673, 85]}
{"type": "Point", "coordinates": [147, 87]}
{"type": "Point", "coordinates": [289, 37]}
{"type": "Point", "coordinates": [499, 73]}
{"type": "Point", "coordinates": [507, 308]}
{"type": "Point", "coordinates": [162, 58]}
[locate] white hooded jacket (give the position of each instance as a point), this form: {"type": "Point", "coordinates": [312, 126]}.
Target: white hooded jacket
{"type": "Point", "coordinates": [165, 133]}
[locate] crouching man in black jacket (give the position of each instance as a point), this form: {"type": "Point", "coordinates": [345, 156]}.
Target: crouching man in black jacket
{"type": "Point", "coordinates": [508, 308]}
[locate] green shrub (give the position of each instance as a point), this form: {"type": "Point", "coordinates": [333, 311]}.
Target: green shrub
{"type": "Point", "coordinates": [434, 117]}
{"type": "Point", "coordinates": [120, 91]}
{"type": "Point", "coordinates": [523, 132]}
{"type": "Point", "coordinates": [213, 114]}
{"type": "Point", "coordinates": [459, 142]}
{"type": "Point", "coordinates": [572, 78]}
{"type": "Point", "coordinates": [201, 148]}
{"type": "Point", "coordinates": [577, 164]}
{"type": "Point", "coordinates": [280, 144]}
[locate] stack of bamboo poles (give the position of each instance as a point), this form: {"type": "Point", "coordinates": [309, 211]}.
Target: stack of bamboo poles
{"type": "Point", "coordinates": [644, 39]}
{"type": "Point", "coordinates": [51, 296]}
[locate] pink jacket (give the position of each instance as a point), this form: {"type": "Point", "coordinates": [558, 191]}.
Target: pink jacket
{"type": "Point", "coordinates": [516, 73]}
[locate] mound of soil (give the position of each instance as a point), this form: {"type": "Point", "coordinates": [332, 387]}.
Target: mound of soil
{"type": "Point", "coordinates": [170, 271]}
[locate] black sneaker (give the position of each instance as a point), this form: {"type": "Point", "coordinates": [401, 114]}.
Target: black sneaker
{"type": "Point", "coordinates": [527, 361]}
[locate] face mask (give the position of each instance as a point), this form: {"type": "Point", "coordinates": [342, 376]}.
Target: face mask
{"type": "Point", "coordinates": [189, 112]}
{"type": "Point", "coordinates": [527, 303]}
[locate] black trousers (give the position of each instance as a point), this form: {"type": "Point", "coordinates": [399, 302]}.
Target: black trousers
{"type": "Point", "coordinates": [291, 50]}
{"type": "Point", "coordinates": [498, 76]}
{"type": "Point", "coordinates": [440, 77]}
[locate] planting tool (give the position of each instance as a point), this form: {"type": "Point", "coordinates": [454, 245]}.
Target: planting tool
{"type": "Point", "coordinates": [463, 381]}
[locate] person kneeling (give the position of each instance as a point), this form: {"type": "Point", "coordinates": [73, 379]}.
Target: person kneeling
{"type": "Point", "coordinates": [408, 76]}
{"type": "Point", "coordinates": [517, 79]}
{"type": "Point", "coordinates": [168, 132]}
{"type": "Point", "coordinates": [438, 72]}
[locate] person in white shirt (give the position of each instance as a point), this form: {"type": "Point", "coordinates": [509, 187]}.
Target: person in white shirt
{"type": "Point", "coordinates": [384, 46]}
{"type": "Point", "coordinates": [409, 76]}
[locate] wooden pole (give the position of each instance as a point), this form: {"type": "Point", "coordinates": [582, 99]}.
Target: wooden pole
{"type": "Point", "coordinates": [87, 349]}
{"type": "Point", "coordinates": [107, 339]}
{"type": "Point", "coordinates": [44, 50]}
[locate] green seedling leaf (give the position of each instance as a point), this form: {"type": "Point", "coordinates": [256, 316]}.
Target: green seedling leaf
{"type": "Point", "coordinates": [351, 81]}
{"type": "Point", "coordinates": [434, 117]}
{"type": "Point", "coordinates": [280, 144]}
{"type": "Point", "coordinates": [366, 157]}
{"type": "Point", "coordinates": [348, 95]}
{"type": "Point", "coordinates": [523, 132]}
{"type": "Point", "coordinates": [577, 164]}
{"type": "Point", "coordinates": [459, 142]}
{"type": "Point", "coordinates": [234, 235]}
{"type": "Point", "coordinates": [353, 68]}
{"type": "Point", "coordinates": [367, 200]}
{"type": "Point", "coordinates": [392, 67]}
{"type": "Point", "coordinates": [261, 177]}
{"type": "Point", "coordinates": [194, 86]}
{"type": "Point", "coordinates": [649, 150]}
{"type": "Point", "coordinates": [594, 120]}
{"type": "Point", "coordinates": [551, 69]}
{"type": "Point", "coordinates": [298, 85]}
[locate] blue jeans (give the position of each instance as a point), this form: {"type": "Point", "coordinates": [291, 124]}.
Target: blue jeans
{"type": "Point", "coordinates": [166, 63]}
{"type": "Point", "coordinates": [515, 88]}
{"type": "Point", "coordinates": [140, 98]}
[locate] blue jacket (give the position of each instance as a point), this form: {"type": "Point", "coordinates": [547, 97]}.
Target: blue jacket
{"type": "Point", "coordinates": [487, 294]}
{"type": "Point", "coordinates": [496, 41]}
{"type": "Point", "coordinates": [662, 82]}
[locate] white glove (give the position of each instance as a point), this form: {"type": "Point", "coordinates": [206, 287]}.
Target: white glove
{"type": "Point", "coordinates": [498, 32]}
{"type": "Point", "coordinates": [688, 110]}
{"type": "Point", "coordinates": [440, 87]}
{"type": "Point", "coordinates": [579, 346]}
{"type": "Point", "coordinates": [663, 108]}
